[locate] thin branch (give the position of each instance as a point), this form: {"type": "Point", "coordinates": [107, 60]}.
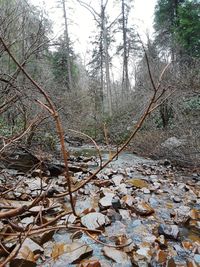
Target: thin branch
{"type": "Point", "coordinates": [56, 117]}
{"type": "Point", "coordinates": [148, 110]}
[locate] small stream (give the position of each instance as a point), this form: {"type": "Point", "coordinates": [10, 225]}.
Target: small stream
{"type": "Point", "coordinates": [124, 159]}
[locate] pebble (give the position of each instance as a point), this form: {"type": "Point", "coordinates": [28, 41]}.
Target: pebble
{"type": "Point", "coordinates": [143, 208]}
{"type": "Point", "coordinates": [176, 199]}
{"type": "Point", "coordinates": [197, 258]}
{"type": "Point", "coordinates": [169, 231]}
{"type": "Point", "coordinates": [146, 191]}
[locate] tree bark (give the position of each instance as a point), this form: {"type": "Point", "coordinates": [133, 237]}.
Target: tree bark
{"type": "Point", "coordinates": [125, 76]}
{"type": "Point", "coordinates": [69, 74]}
{"type": "Point", "coordinates": [106, 60]}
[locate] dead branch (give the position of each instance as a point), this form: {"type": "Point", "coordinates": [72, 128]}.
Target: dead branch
{"type": "Point", "coordinates": [56, 117]}
{"type": "Point", "coordinates": [108, 245]}
{"type": "Point", "coordinates": [147, 112]}
{"type": "Point", "coordinates": [18, 137]}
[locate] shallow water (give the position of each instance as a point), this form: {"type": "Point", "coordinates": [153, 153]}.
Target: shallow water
{"type": "Point", "coordinates": [124, 158]}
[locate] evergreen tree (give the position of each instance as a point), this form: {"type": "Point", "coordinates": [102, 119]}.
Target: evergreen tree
{"type": "Point", "coordinates": [188, 30]}
{"type": "Point", "coordinates": [177, 24]}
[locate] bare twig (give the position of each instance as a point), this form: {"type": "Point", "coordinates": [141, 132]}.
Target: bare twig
{"type": "Point", "coordinates": [56, 117]}
{"type": "Point", "coordinates": [108, 245]}
{"type": "Point", "coordinates": [148, 110]}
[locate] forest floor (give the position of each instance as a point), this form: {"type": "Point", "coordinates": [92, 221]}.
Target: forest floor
{"type": "Point", "coordinates": [135, 212]}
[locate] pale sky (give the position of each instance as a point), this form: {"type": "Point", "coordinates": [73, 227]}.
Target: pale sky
{"type": "Point", "coordinates": [81, 22]}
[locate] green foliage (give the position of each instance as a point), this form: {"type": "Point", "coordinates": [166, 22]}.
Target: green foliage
{"type": "Point", "coordinates": [7, 130]}
{"type": "Point", "coordinates": [177, 24]}
{"type": "Point", "coordinates": [59, 64]}
{"type": "Point", "coordinates": [193, 103]}
{"type": "Point", "coordinates": [188, 30]}
{"type": "Point", "coordinates": [47, 140]}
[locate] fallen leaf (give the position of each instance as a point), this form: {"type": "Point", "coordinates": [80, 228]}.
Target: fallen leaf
{"type": "Point", "coordinates": [139, 183]}
{"type": "Point", "coordinates": [26, 254]}
{"type": "Point", "coordinates": [90, 263]}
{"type": "Point", "coordinates": [194, 214]}
{"type": "Point", "coordinates": [57, 250]}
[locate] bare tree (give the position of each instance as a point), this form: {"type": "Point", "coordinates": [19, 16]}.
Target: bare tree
{"type": "Point", "coordinates": [102, 22]}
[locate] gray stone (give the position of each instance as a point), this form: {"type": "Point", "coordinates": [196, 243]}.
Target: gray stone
{"type": "Point", "coordinates": [169, 231]}
{"type": "Point", "coordinates": [173, 142]}
{"type": "Point", "coordinates": [197, 258]}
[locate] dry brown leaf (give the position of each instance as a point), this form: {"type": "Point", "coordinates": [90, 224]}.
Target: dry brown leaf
{"type": "Point", "coordinates": [57, 250]}
{"type": "Point", "coordinates": [90, 263]}
{"type": "Point", "coordinates": [27, 254]}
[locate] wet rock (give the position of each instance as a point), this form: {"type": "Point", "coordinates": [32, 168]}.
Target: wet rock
{"type": "Point", "coordinates": [122, 189]}
{"type": "Point", "coordinates": [176, 199]}
{"type": "Point", "coordinates": [116, 204]}
{"type": "Point", "coordinates": [153, 202]}
{"type": "Point", "coordinates": [197, 259]}
{"type": "Point", "coordinates": [143, 208]}
{"type": "Point", "coordinates": [65, 254]}
{"type": "Point", "coordinates": [106, 201]}
{"type": "Point", "coordinates": [180, 251]}
{"type": "Point", "coordinates": [173, 142]}
{"type": "Point", "coordinates": [94, 220]}
{"type": "Point", "coordinates": [116, 229]}
{"type": "Point", "coordinates": [113, 215]}
{"type": "Point", "coordinates": [169, 231]}
{"type": "Point", "coordinates": [107, 191]}
{"type": "Point", "coordinates": [182, 214]}
{"type": "Point", "coordinates": [144, 253]}
{"type": "Point", "coordinates": [117, 255]}
{"type": "Point", "coordinates": [128, 200]}
{"type": "Point", "coordinates": [146, 190]}
{"type": "Point", "coordinates": [117, 179]}
{"type": "Point", "coordinates": [125, 214]}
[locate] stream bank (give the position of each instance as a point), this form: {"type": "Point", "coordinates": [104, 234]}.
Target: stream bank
{"type": "Point", "coordinates": [145, 213]}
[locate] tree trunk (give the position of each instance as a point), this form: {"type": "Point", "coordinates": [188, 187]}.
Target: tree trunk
{"type": "Point", "coordinates": [125, 76]}
{"type": "Point", "coordinates": [69, 74]}
{"type": "Point", "coordinates": [106, 60]}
